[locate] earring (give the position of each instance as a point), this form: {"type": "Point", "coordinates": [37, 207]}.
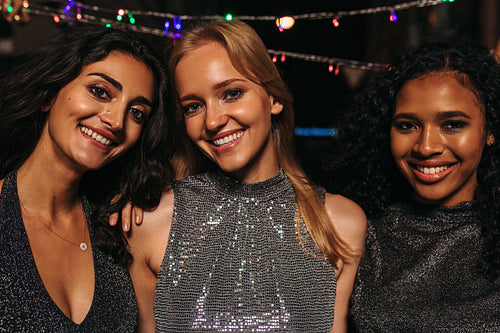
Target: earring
{"type": "Point", "coordinates": [491, 143]}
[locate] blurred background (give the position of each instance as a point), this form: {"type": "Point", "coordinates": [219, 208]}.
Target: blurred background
{"type": "Point", "coordinates": [316, 58]}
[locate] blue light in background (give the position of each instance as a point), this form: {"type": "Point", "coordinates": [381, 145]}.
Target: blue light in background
{"type": "Point", "coordinates": [315, 131]}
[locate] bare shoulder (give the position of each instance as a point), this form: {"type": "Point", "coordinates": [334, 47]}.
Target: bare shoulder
{"type": "Point", "coordinates": [348, 218]}
{"type": "Point", "coordinates": [154, 219]}
{"type": "Point", "coordinates": [149, 239]}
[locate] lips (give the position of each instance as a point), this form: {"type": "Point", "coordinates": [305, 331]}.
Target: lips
{"type": "Point", "coordinates": [227, 139]}
{"type": "Point", "coordinates": [431, 174]}
{"type": "Point", "coordinates": [95, 136]}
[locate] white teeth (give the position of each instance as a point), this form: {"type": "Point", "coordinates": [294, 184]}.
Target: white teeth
{"type": "Point", "coordinates": [228, 139]}
{"type": "Point", "coordinates": [431, 171]}
{"type": "Point", "coordinates": [97, 137]}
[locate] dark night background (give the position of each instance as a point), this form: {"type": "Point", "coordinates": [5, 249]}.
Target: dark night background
{"type": "Point", "coordinates": [320, 96]}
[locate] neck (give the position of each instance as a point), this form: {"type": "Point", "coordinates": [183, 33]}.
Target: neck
{"type": "Point", "coordinates": [47, 187]}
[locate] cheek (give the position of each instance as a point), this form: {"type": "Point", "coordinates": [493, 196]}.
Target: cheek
{"type": "Point", "coordinates": [469, 147]}
{"type": "Point", "coordinates": [134, 131]}
{"type": "Point", "coordinates": [397, 146]}
{"type": "Point", "coordinates": [193, 128]}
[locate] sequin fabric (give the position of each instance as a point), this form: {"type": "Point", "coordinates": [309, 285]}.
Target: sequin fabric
{"type": "Point", "coordinates": [25, 305]}
{"type": "Point", "coordinates": [234, 263]}
{"type": "Point", "coordinates": [419, 274]}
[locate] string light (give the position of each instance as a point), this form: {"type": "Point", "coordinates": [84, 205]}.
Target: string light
{"type": "Point", "coordinates": [229, 17]}
{"type": "Point", "coordinates": [275, 58]}
{"type": "Point", "coordinates": [131, 18]}
{"type": "Point", "coordinates": [177, 23]}
{"type": "Point", "coordinates": [330, 67]}
{"type": "Point", "coordinates": [167, 26]}
{"type": "Point", "coordinates": [393, 16]}
{"type": "Point", "coordinates": [285, 22]}
{"type": "Point", "coordinates": [333, 16]}
{"type": "Point", "coordinates": [335, 22]}
{"type": "Point", "coordinates": [337, 70]}
{"type": "Point", "coordinates": [283, 57]}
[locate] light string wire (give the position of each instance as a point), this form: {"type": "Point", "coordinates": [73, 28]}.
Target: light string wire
{"type": "Point", "coordinates": [310, 16]}
{"type": "Point", "coordinates": [92, 19]}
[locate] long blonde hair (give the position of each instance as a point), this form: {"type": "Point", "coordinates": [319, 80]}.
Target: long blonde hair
{"type": "Point", "coordinates": [250, 57]}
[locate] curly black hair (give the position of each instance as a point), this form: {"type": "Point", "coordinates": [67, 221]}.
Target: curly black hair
{"type": "Point", "coordinates": [362, 167]}
{"type": "Point", "coordinates": [140, 174]}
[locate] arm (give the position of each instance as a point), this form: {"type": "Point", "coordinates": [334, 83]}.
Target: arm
{"type": "Point", "coordinates": [349, 221]}
{"type": "Point", "coordinates": [147, 244]}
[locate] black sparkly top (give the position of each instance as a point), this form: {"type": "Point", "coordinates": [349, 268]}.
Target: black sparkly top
{"type": "Point", "coordinates": [234, 263]}
{"type": "Point", "coordinates": [419, 274]}
{"type": "Point", "coordinates": [25, 305]}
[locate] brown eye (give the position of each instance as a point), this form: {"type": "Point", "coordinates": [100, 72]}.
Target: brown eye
{"type": "Point", "coordinates": [99, 92]}
{"type": "Point", "coordinates": [139, 115]}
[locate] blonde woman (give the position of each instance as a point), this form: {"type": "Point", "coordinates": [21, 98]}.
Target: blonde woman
{"type": "Point", "coordinates": [245, 242]}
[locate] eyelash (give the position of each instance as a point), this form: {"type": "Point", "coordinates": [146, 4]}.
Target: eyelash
{"type": "Point", "coordinates": [139, 116]}
{"type": "Point", "coordinates": [454, 125]}
{"type": "Point", "coordinates": [229, 92]}
{"type": "Point", "coordinates": [404, 126]}
{"type": "Point", "coordinates": [186, 109]}
{"type": "Point", "coordinates": [449, 125]}
{"type": "Point", "coordinates": [97, 92]}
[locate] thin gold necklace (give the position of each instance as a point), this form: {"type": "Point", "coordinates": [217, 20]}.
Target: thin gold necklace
{"type": "Point", "coordinates": [83, 246]}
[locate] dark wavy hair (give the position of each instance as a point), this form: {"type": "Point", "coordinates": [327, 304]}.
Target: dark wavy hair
{"type": "Point", "coordinates": [140, 174]}
{"type": "Point", "coordinates": [362, 166]}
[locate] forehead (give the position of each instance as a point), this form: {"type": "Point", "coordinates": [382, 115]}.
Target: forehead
{"type": "Point", "coordinates": [133, 74]}
{"type": "Point", "coordinates": [437, 92]}
{"type": "Point", "coordinates": [210, 60]}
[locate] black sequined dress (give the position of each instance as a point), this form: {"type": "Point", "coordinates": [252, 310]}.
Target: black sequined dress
{"type": "Point", "coordinates": [234, 263]}
{"type": "Point", "coordinates": [419, 274]}
{"type": "Point", "coordinates": [25, 305]}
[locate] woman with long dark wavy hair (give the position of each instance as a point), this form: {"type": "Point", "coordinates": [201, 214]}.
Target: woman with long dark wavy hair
{"type": "Point", "coordinates": [82, 120]}
{"type": "Point", "coordinates": [420, 154]}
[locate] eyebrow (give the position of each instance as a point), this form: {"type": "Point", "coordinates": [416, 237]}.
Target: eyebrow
{"type": "Point", "coordinates": [115, 83]}
{"type": "Point", "coordinates": [225, 83]}
{"type": "Point", "coordinates": [451, 114]}
{"type": "Point", "coordinates": [118, 85]}
{"type": "Point", "coordinates": [440, 115]}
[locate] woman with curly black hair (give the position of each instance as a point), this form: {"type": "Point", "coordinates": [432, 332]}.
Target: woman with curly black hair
{"type": "Point", "coordinates": [80, 121]}
{"type": "Point", "coordinates": [420, 155]}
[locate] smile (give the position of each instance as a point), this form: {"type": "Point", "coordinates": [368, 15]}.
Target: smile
{"type": "Point", "coordinates": [431, 171]}
{"type": "Point", "coordinates": [228, 139]}
{"type": "Point", "coordinates": [97, 137]}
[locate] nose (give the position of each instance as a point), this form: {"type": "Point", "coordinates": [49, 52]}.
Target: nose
{"type": "Point", "coordinates": [429, 143]}
{"type": "Point", "coordinates": [215, 118]}
{"type": "Point", "coordinates": [114, 117]}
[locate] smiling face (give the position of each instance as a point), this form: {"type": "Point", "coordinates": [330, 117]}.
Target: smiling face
{"type": "Point", "coordinates": [227, 115]}
{"type": "Point", "coordinates": [437, 138]}
{"type": "Point", "coordinates": [99, 115]}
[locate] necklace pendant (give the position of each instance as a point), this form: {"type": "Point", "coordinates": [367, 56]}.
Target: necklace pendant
{"type": "Point", "coordinates": [83, 246]}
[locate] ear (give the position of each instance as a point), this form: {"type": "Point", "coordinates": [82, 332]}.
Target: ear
{"type": "Point", "coordinates": [276, 107]}
{"type": "Point", "coordinates": [490, 139]}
